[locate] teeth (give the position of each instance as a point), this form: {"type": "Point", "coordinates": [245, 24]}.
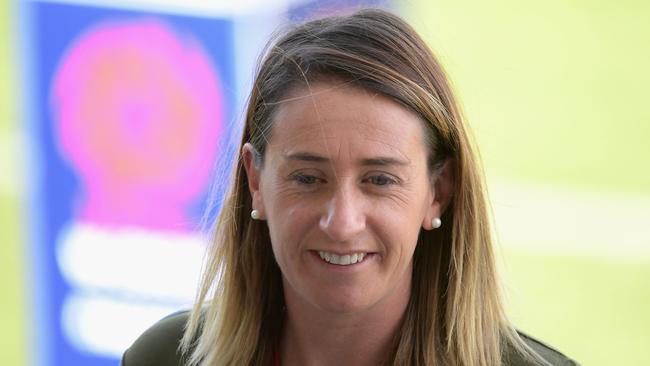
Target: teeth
{"type": "Point", "coordinates": [341, 260]}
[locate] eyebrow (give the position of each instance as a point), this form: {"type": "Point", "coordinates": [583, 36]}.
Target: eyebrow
{"type": "Point", "coordinates": [383, 161]}
{"type": "Point", "coordinates": [376, 161]}
{"type": "Point", "coordinates": [301, 156]}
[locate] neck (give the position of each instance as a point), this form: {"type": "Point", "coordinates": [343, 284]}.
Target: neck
{"type": "Point", "coordinates": [317, 337]}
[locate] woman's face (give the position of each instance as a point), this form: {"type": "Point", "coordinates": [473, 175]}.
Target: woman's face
{"type": "Point", "coordinates": [345, 191]}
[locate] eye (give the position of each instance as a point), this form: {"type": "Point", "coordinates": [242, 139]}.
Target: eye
{"type": "Point", "coordinates": [381, 180]}
{"type": "Point", "coordinates": [305, 179]}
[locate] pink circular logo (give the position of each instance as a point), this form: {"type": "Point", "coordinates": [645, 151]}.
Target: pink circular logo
{"type": "Point", "coordinates": [138, 112]}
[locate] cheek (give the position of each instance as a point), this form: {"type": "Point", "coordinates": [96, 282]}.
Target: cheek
{"type": "Point", "coordinates": [289, 223]}
{"type": "Point", "coordinates": [402, 239]}
{"type": "Point", "coordinates": [399, 227]}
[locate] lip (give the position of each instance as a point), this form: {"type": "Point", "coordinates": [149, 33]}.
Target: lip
{"type": "Point", "coordinates": [368, 258]}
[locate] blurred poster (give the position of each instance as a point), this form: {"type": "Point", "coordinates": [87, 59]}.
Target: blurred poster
{"type": "Point", "coordinates": [305, 10]}
{"type": "Point", "coordinates": [131, 112]}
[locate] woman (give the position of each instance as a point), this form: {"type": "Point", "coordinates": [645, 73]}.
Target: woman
{"type": "Point", "coordinates": [356, 230]}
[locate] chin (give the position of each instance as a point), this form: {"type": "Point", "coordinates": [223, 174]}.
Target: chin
{"type": "Point", "coordinates": [341, 302]}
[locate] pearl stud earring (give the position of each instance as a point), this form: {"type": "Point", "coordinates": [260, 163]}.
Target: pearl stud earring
{"type": "Point", "coordinates": [436, 223]}
{"type": "Point", "coordinates": [255, 215]}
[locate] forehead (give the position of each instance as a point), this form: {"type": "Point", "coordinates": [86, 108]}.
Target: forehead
{"type": "Point", "coordinates": [329, 115]}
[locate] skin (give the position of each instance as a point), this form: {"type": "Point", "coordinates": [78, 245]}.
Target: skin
{"type": "Point", "coordinates": [344, 172]}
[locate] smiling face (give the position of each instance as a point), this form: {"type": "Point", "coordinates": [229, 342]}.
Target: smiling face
{"type": "Point", "coordinates": [345, 190]}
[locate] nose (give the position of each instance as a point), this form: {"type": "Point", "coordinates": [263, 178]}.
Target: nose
{"type": "Point", "coordinates": [344, 216]}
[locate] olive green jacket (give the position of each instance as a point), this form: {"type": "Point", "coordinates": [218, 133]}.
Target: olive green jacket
{"type": "Point", "coordinates": [158, 346]}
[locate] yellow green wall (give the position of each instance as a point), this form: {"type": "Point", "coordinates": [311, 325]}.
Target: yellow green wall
{"type": "Point", "coordinates": [556, 90]}
{"type": "Point", "coordinates": [12, 301]}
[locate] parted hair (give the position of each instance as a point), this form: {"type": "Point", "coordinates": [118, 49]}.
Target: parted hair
{"type": "Point", "coordinates": [455, 315]}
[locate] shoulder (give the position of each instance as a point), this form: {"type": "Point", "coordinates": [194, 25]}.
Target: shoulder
{"type": "Point", "coordinates": [549, 354]}
{"type": "Point", "coordinates": [159, 344]}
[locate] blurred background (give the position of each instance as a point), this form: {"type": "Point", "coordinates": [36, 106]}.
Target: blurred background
{"type": "Point", "coordinates": [99, 220]}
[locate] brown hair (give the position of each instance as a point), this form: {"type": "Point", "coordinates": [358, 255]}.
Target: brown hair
{"type": "Point", "coordinates": [455, 314]}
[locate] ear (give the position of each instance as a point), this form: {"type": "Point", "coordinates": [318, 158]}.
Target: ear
{"type": "Point", "coordinates": [253, 174]}
{"type": "Point", "coordinates": [443, 183]}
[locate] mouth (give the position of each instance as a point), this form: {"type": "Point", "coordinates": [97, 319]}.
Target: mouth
{"type": "Point", "coordinates": [342, 259]}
